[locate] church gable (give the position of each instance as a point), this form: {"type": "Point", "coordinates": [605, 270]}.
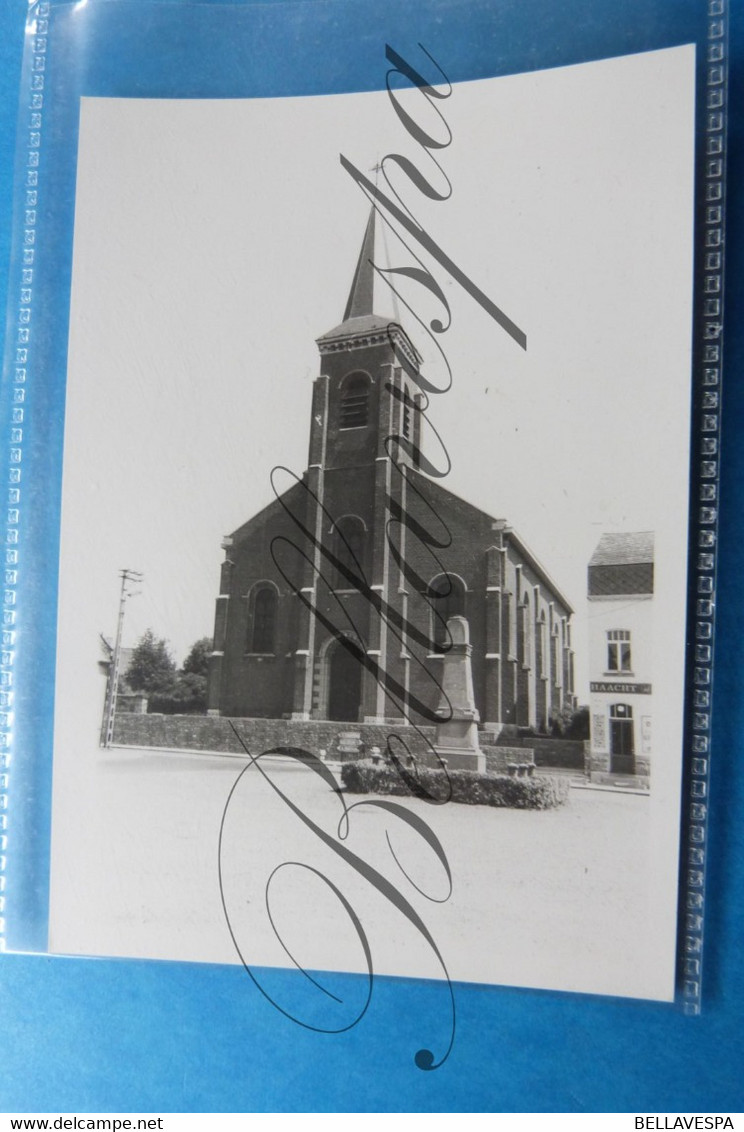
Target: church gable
{"type": "Point", "coordinates": [292, 500]}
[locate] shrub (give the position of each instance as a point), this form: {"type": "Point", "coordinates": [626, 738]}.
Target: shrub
{"type": "Point", "coordinates": [467, 786]}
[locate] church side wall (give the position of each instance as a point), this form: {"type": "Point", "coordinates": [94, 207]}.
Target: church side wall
{"type": "Point", "coordinates": [535, 647]}
{"type": "Point", "coordinates": [518, 625]}
{"type": "Point", "coordinates": [254, 684]}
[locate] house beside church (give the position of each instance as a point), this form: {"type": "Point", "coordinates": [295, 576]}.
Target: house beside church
{"type": "Point", "coordinates": [334, 599]}
{"type": "Point", "coordinates": [127, 700]}
{"type": "Point", "coordinates": [621, 590]}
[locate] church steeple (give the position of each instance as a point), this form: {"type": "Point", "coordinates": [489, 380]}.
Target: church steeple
{"type": "Point", "coordinates": [361, 295]}
{"type": "Point", "coordinates": [363, 326]}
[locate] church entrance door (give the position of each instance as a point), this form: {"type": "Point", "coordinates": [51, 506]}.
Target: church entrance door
{"type": "Point", "coordinates": [345, 685]}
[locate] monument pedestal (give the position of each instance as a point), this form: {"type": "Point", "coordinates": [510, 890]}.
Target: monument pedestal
{"type": "Point", "coordinates": [462, 758]}
{"type": "Point", "coordinates": [456, 740]}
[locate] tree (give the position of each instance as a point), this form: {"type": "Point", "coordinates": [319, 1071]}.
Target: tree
{"type": "Point", "coordinates": [186, 696]}
{"type": "Point", "coordinates": [197, 662]}
{"type": "Point", "coordinates": [570, 723]}
{"type": "Point", "coordinates": [579, 725]}
{"type": "Point", "coordinates": [152, 669]}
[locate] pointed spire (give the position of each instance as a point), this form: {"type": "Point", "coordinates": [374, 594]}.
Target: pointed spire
{"type": "Point", "coordinates": [362, 287]}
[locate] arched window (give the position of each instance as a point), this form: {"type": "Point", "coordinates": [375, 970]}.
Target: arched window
{"type": "Point", "coordinates": [541, 659]}
{"type": "Point", "coordinates": [446, 596]}
{"type": "Point", "coordinates": [355, 401]}
{"type": "Point", "coordinates": [261, 636]}
{"type": "Point", "coordinates": [349, 539]}
{"type": "Point", "coordinates": [525, 633]}
{"type": "Point", "coordinates": [555, 666]}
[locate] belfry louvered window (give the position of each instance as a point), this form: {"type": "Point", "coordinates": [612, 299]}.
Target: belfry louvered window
{"type": "Point", "coordinates": [355, 401]}
{"type": "Point", "coordinates": [406, 413]}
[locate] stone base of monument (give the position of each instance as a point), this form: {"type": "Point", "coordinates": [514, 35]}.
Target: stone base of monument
{"type": "Point", "coordinates": [459, 758]}
{"type": "Point", "coordinates": [457, 732]}
{"type": "Point", "coordinates": [457, 742]}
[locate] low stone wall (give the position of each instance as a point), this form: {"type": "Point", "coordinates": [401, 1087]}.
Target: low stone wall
{"type": "Point", "coordinates": [565, 753]}
{"type": "Point", "coordinates": [214, 733]}
{"type": "Point", "coordinates": [499, 759]}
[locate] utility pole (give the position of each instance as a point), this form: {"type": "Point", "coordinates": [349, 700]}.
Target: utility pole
{"type": "Point", "coordinates": [109, 711]}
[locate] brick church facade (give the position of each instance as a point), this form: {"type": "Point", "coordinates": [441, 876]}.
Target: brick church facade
{"type": "Point", "coordinates": [334, 599]}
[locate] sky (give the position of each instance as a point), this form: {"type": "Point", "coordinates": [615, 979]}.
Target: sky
{"type": "Point", "coordinates": [216, 240]}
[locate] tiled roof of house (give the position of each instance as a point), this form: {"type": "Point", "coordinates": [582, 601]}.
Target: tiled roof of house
{"type": "Point", "coordinates": [624, 549]}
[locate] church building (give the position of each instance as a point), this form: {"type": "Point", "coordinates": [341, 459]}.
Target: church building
{"type": "Point", "coordinates": [334, 599]}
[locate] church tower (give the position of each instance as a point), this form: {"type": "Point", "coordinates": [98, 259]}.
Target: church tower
{"type": "Point", "coordinates": [359, 359]}
{"type": "Point", "coordinates": [364, 414]}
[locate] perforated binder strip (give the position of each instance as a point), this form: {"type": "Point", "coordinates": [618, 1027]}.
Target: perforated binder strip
{"type": "Point", "coordinates": [709, 356]}
{"type": "Point", "coordinates": [18, 352]}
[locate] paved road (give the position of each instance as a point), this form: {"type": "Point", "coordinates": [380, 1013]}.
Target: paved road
{"type": "Point", "coordinates": [556, 898]}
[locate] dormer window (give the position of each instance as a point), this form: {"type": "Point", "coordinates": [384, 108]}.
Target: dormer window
{"type": "Point", "coordinates": [355, 401]}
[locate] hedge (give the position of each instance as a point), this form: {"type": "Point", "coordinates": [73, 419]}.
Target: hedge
{"type": "Point", "coordinates": [467, 786]}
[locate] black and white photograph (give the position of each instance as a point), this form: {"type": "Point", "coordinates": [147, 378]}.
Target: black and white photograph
{"type": "Point", "coordinates": [372, 592]}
